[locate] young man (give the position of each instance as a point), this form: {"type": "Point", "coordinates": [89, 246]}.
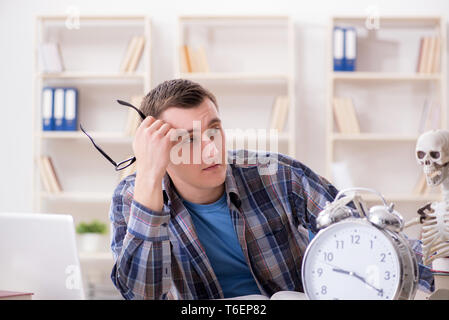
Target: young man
{"type": "Point", "coordinates": [212, 227]}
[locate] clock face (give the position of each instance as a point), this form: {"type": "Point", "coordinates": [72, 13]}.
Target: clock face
{"type": "Point", "coordinates": [351, 260]}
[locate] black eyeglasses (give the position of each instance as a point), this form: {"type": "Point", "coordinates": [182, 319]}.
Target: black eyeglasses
{"type": "Point", "coordinates": [122, 164]}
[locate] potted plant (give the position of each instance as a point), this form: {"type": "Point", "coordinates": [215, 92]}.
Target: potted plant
{"type": "Point", "coordinates": [91, 235]}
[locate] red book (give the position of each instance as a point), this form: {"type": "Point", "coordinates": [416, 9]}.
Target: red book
{"type": "Point", "coordinates": [12, 295]}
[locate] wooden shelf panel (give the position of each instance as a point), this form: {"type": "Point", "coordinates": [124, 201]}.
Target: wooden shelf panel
{"type": "Point", "coordinates": [384, 76]}
{"type": "Point", "coordinates": [404, 197]}
{"type": "Point", "coordinates": [235, 76]}
{"type": "Point", "coordinates": [374, 137]}
{"type": "Point", "coordinates": [119, 136]}
{"type": "Point", "coordinates": [93, 75]}
{"type": "Point", "coordinates": [78, 196]}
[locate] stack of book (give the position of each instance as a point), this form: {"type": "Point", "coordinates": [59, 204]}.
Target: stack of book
{"type": "Point", "coordinates": [344, 48]}
{"type": "Point", "coordinates": [429, 55]}
{"type": "Point", "coordinates": [59, 109]}
{"type": "Point", "coordinates": [193, 60]}
{"type": "Point", "coordinates": [279, 113]}
{"type": "Point", "coordinates": [345, 115]}
{"type": "Point", "coordinates": [48, 175]}
{"type": "Point", "coordinates": [133, 54]}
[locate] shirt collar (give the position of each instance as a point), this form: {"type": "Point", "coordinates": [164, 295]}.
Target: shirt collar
{"type": "Point", "coordinates": [170, 194]}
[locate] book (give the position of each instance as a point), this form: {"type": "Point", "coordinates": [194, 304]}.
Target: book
{"type": "Point", "coordinates": [47, 109]}
{"type": "Point", "coordinates": [70, 109]}
{"type": "Point", "coordinates": [43, 174]}
{"type": "Point", "coordinates": [185, 59]}
{"type": "Point", "coordinates": [436, 56]}
{"type": "Point", "coordinates": [280, 295]}
{"type": "Point", "coordinates": [59, 109]}
{"type": "Point", "coordinates": [353, 121]}
{"type": "Point", "coordinates": [193, 60]}
{"type": "Point", "coordinates": [13, 295]}
{"type": "Point", "coordinates": [345, 115]}
{"type": "Point", "coordinates": [350, 49]}
{"type": "Point", "coordinates": [128, 55]}
{"type": "Point", "coordinates": [50, 57]}
{"type": "Point", "coordinates": [420, 53]}
{"type": "Point", "coordinates": [429, 55]}
{"type": "Point", "coordinates": [48, 174]}
{"type": "Point", "coordinates": [279, 113]}
{"type": "Point", "coordinates": [59, 105]}
{"type": "Point", "coordinates": [203, 65]}
{"type": "Point", "coordinates": [137, 53]}
{"type": "Point", "coordinates": [338, 49]}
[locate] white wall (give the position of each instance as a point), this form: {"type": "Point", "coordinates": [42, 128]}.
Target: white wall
{"type": "Point", "coordinates": [311, 18]}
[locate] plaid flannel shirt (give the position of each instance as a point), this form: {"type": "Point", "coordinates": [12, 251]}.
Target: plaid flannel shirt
{"type": "Point", "coordinates": [157, 255]}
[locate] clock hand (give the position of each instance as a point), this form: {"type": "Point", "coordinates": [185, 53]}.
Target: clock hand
{"type": "Point", "coordinates": [353, 274]}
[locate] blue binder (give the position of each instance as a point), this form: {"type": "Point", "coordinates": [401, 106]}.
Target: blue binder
{"type": "Point", "coordinates": [47, 109]}
{"type": "Point", "coordinates": [350, 49]}
{"type": "Point", "coordinates": [338, 48]}
{"type": "Point", "coordinates": [71, 109]}
{"type": "Point", "coordinates": [58, 108]}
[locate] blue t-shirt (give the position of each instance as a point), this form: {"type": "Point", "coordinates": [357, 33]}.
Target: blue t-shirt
{"type": "Point", "coordinates": [216, 233]}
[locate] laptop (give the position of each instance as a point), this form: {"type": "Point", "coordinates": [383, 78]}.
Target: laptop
{"type": "Point", "coordinates": [38, 254]}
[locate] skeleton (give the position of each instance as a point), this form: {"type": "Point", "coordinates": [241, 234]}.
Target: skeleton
{"type": "Point", "coordinates": [432, 153]}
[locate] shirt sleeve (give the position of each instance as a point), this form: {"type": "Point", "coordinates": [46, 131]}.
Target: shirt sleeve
{"type": "Point", "coordinates": [311, 192]}
{"type": "Point", "coordinates": [140, 247]}
{"type": "Point", "coordinates": [426, 279]}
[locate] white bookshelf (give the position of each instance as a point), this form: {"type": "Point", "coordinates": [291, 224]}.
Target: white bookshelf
{"type": "Point", "coordinates": [251, 61]}
{"type": "Point", "coordinates": [388, 93]}
{"type": "Point", "coordinates": [92, 56]}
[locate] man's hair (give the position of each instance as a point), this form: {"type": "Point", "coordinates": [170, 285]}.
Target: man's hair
{"type": "Point", "coordinates": [179, 93]}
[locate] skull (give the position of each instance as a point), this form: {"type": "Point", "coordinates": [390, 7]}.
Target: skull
{"type": "Point", "coordinates": [432, 153]}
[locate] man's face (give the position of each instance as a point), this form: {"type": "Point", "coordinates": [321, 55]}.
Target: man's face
{"type": "Point", "coordinates": [204, 151]}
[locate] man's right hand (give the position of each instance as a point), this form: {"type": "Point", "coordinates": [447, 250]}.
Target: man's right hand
{"type": "Point", "coordinates": [151, 147]}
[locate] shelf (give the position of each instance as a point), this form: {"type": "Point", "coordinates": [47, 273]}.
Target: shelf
{"type": "Point", "coordinates": [78, 196]}
{"type": "Point", "coordinates": [235, 76]}
{"type": "Point", "coordinates": [115, 136]}
{"type": "Point", "coordinates": [92, 17]}
{"type": "Point", "coordinates": [404, 197]}
{"type": "Point", "coordinates": [281, 135]}
{"type": "Point", "coordinates": [92, 75]}
{"type": "Point", "coordinates": [380, 76]}
{"type": "Point", "coordinates": [374, 137]}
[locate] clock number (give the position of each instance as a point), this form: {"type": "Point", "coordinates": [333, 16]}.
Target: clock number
{"type": "Point", "coordinates": [340, 244]}
{"type": "Point", "coordinates": [319, 271]}
{"type": "Point", "coordinates": [371, 244]}
{"type": "Point", "coordinates": [387, 275]}
{"type": "Point", "coordinates": [382, 257]}
{"type": "Point", "coordinates": [380, 293]}
{"type": "Point", "coordinates": [355, 239]}
{"type": "Point", "coordinates": [323, 290]}
{"type": "Point", "coordinates": [328, 256]}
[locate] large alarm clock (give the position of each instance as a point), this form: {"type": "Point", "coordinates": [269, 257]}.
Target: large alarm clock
{"type": "Point", "coordinates": [358, 255]}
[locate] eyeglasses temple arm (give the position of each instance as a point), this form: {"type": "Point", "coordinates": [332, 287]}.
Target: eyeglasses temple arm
{"type": "Point", "coordinates": [98, 148]}
{"type": "Point", "coordinates": [131, 106]}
